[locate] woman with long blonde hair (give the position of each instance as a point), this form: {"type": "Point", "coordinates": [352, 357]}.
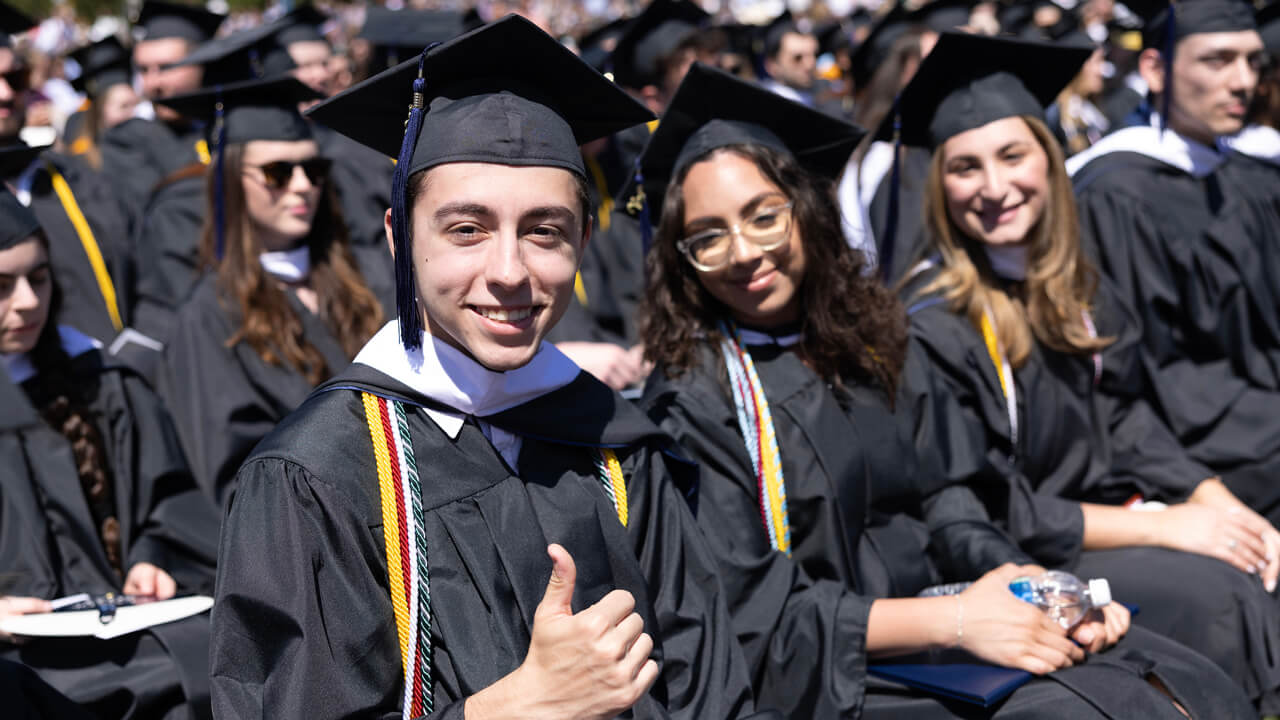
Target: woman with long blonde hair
{"type": "Point", "coordinates": [1040, 378]}
{"type": "Point", "coordinates": [283, 305]}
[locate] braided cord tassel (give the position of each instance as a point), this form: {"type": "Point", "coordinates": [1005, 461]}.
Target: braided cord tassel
{"type": "Point", "coordinates": [423, 693]}
{"type": "Point", "coordinates": [615, 485]}
{"type": "Point", "coordinates": [406, 286]}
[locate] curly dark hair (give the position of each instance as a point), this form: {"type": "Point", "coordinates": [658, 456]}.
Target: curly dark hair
{"type": "Point", "coordinates": [853, 327]}
{"type": "Point", "coordinates": [62, 397]}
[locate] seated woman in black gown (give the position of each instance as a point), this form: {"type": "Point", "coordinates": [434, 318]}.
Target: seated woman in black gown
{"type": "Point", "coordinates": [285, 305]}
{"type": "Point", "coordinates": [780, 362]}
{"type": "Point", "coordinates": [95, 496]}
{"type": "Point", "coordinates": [1041, 384]}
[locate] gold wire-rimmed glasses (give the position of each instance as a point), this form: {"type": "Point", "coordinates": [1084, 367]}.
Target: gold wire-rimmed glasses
{"type": "Point", "coordinates": [768, 229]}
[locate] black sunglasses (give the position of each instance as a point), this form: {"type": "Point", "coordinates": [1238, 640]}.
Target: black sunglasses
{"type": "Point", "coordinates": [276, 175]}
{"type": "Point", "coordinates": [18, 79]}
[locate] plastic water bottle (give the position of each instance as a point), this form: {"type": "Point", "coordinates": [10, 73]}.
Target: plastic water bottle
{"type": "Point", "coordinates": [1063, 596]}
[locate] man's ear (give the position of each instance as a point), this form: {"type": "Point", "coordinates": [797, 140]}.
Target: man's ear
{"type": "Point", "coordinates": [391, 240]}
{"type": "Point", "coordinates": [1151, 68]}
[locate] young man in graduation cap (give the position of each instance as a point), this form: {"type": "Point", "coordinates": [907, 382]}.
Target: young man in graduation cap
{"type": "Point", "coordinates": [85, 223]}
{"type": "Point", "coordinates": [143, 152]}
{"type": "Point", "coordinates": [1186, 231]}
{"type": "Point", "coordinates": [463, 520]}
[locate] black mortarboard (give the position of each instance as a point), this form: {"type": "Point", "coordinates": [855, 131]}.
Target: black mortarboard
{"type": "Point", "coordinates": [713, 109]}
{"type": "Point", "coordinates": [656, 32]}
{"type": "Point", "coordinates": [17, 222]}
{"type": "Point", "coordinates": [243, 112]}
{"type": "Point", "coordinates": [1169, 23]}
{"type": "Point", "coordinates": [17, 157]}
{"type": "Point", "coordinates": [874, 50]}
{"type": "Point", "coordinates": [172, 20]}
{"type": "Point", "coordinates": [1268, 20]}
{"type": "Point", "coordinates": [506, 93]}
{"type": "Point", "coordinates": [401, 34]}
{"type": "Point", "coordinates": [941, 15]}
{"type": "Point", "coordinates": [251, 54]}
{"type": "Point", "coordinates": [12, 22]}
{"type": "Point", "coordinates": [596, 46]}
{"type": "Point", "coordinates": [301, 24]}
{"type": "Point", "coordinates": [971, 80]}
{"type": "Point", "coordinates": [102, 64]}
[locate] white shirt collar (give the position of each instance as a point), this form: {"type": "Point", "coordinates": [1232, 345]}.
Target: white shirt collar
{"type": "Point", "coordinates": [290, 266]}
{"type": "Point", "coordinates": [1258, 141]}
{"type": "Point", "coordinates": [75, 343]}
{"type": "Point", "coordinates": [449, 377]}
{"type": "Point", "coordinates": [1167, 147]}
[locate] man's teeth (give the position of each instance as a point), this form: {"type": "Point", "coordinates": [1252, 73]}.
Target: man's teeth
{"type": "Point", "coordinates": [506, 315]}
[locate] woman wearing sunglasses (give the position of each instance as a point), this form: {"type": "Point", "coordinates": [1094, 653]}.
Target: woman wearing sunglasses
{"type": "Point", "coordinates": [284, 305]}
{"type": "Point", "coordinates": [1040, 383]}
{"type": "Point", "coordinates": [783, 372]}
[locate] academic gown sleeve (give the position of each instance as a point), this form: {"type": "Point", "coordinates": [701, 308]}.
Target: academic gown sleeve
{"type": "Point", "coordinates": [963, 541]}
{"type": "Point", "coordinates": [264, 660]}
{"type": "Point", "coordinates": [974, 454]}
{"type": "Point", "coordinates": [804, 639]}
{"type": "Point", "coordinates": [178, 525]}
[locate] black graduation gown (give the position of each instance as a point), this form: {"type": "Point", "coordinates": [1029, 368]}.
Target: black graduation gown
{"type": "Point", "coordinates": [292, 623]}
{"type": "Point", "coordinates": [1081, 442]}
{"type": "Point", "coordinates": [83, 303]}
{"type": "Point", "coordinates": [1197, 257]}
{"type": "Point", "coordinates": [910, 242]}
{"type": "Point", "coordinates": [862, 500]}
{"type": "Point", "coordinates": [225, 399]}
{"type": "Point", "coordinates": [362, 178]}
{"type": "Point", "coordinates": [613, 279]}
{"type": "Point", "coordinates": [137, 154]}
{"type": "Point", "coordinates": [50, 547]}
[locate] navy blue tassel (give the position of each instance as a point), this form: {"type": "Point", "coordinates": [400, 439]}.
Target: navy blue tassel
{"type": "Point", "coordinates": [1170, 34]}
{"type": "Point", "coordinates": [219, 182]}
{"type": "Point", "coordinates": [646, 223]}
{"type": "Point", "coordinates": [888, 242]}
{"type": "Point", "coordinates": [411, 327]}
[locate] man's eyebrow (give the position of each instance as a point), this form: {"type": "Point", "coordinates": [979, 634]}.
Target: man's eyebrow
{"type": "Point", "coordinates": [552, 212]}
{"type": "Point", "coordinates": [462, 208]}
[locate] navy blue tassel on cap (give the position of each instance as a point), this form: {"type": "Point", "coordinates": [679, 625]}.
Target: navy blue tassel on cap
{"type": "Point", "coordinates": [640, 206]}
{"type": "Point", "coordinates": [886, 244]}
{"type": "Point", "coordinates": [220, 182]}
{"type": "Point", "coordinates": [411, 327]}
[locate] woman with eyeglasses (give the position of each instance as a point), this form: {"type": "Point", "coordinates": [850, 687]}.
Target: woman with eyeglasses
{"type": "Point", "coordinates": [782, 370]}
{"type": "Point", "coordinates": [284, 305]}
{"type": "Point", "coordinates": [1040, 380]}
{"type": "Point", "coordinates": [95, 497]}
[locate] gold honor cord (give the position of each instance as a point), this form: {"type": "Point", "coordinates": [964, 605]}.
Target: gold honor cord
{"type": "Point", "coordinates": [89, 242]}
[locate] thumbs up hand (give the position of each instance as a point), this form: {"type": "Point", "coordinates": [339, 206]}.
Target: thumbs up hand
{"type": "Point", "coordinates": [594, 664]}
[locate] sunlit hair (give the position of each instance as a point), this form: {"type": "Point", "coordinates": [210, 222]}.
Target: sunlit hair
{"type": "Point", "coordinates": [267, 322]}
{"type": "Point", "coordinates": [1060, 281]}
{"type": "Point", "coordinates": [853, 327]}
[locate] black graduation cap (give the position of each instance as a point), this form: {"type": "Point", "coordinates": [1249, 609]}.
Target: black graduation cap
{"type": "Point", "coordinates": [596, 46]}
{"type": "Point", "coordinates": [173, 20]}
{"type": "Point", "coordinates": [971, 80]}
{"type": "Point", "coordinates": [401, 34]}
{"type": "Point", "coordinates": [1268, 19]}
{"type": "Point", "coordinates": [942, 15]}
{"type": "Point", "coordinates": [17, 222]}
{"type": "Point", "coordinates": [242, 112]}
{"type": "Point", "coordinates": [506, 94]}
{"type": "Point", "coordinates": [251, 54]}
{"type": "Point", "coordinates": [1166, 23]}
{"type": "Point", "coordinates": [662, 27]}
{"type": "Point", "coordinates": [302, 24]}
{"type": "Point", "coordinates": [17, 157]}
{"type": "Point", "coordinates": [102, 65]}
{"type": "Point", "coordinates": [12, 22]}
{"type": "Point", "coordinates": [874, 50]}
{"type": "Point", "coordinates": [834, 36]}
{"type": "Point", "coordinates": [713, 109]}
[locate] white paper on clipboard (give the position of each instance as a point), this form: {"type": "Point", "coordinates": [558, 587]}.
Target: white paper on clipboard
{"type": "Point", "coordinates": [85, 623]}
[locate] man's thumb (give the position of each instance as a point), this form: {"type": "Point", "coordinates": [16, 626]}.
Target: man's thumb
{"type": "Point", "coordinates": [559, 595]}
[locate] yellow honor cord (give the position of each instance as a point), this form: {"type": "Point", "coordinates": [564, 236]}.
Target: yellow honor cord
{"type": "Point", "coordinates": [88, 242]}
{"type": "Point", "coordinates": [390, 520]}
{"type": "Point", "coordinates": [202, 152]}
{"type": "Point", "coordinates": [617, 483]}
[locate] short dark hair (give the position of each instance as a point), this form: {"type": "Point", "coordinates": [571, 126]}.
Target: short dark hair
{"type": "Point", "coordinates": [773, 41]}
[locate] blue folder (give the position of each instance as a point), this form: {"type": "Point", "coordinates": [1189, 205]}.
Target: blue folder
{"type": "Point", "coordinates": [955, 675]}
